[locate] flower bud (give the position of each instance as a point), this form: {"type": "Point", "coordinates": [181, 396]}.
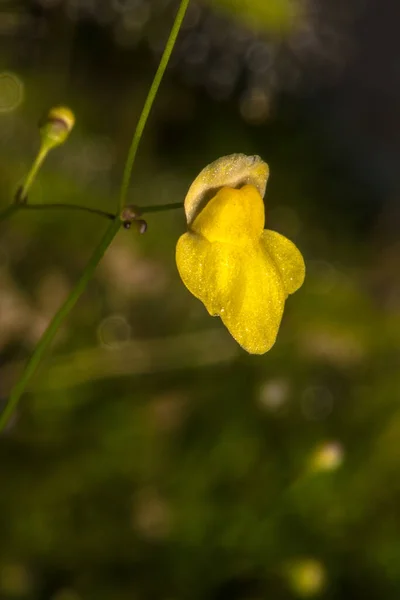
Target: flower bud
{"type": "Point", "coordinates": [54, 130]}
{"type": "Point", "coordinates": [57, 126]}
{"type": "Point", "coordinates": [130, 217]}
{"type": "Point", "coordinates": [140, 225]}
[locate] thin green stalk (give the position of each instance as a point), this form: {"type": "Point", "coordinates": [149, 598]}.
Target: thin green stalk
{"type": "Point", "coordinates": [149, 102]}
{"type": "Point", "coordinates": [13, 208]}
{"type": "Point", "coordinates": [93, 211]}
{"type": "Point", "coordinates": [108, 237]}
{"type": "Point", "coordinates": [159, 208]}
{"type": "Point", "coordinates": [57, 320]}
{"type": "Point", "coordinates": [143, 210]}
{"type": "Point", "coordinates": [33, 172]}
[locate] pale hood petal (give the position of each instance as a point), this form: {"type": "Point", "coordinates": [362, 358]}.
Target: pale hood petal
{"type": "Point", "coordinates": [233, 171]}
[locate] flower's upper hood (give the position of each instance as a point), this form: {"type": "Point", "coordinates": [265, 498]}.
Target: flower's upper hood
{"type": "Point", "coordinates": [235, 170]}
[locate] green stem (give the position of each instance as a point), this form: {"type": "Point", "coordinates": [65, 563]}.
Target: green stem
{"type": "Point", "coordinates": [149, 103]}
{"type": "Point", "coordinates": [93, 211]}
{"type": "Point", "coordinates": [13, 208]}
{"type": "Point", "coordinates": [144, 210]}
{"type": "Point", "coordinates": [32, 173]}
{"type": "Point", "coordinates": [57, 320]}
{"type": "Point", "coordinates": [112, 230]}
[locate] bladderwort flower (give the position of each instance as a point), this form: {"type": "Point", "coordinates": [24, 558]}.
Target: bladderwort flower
{"type": "Point", "coordinates": [241, 272]}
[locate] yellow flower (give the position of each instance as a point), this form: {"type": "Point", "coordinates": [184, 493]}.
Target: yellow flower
{"type": "Point", "coordinates": [241, 272]}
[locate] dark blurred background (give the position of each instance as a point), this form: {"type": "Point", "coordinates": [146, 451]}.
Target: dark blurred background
{"type": "Point", "coordinates": [151, 457]}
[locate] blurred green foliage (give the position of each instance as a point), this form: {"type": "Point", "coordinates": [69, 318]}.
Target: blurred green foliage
{"type": "Point", "coordinates": [275, 15]}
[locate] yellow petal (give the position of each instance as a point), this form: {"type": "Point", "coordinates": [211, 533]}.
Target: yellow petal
{"type": "Point", "coordinates": [207, 270]}
{"type": "Point", "coordinates": [232, 216]}
{"type": "Point", "coordinates": [234, 171]}
{"type": "Point", "coordinates": [254, 312]}
{"type": "Point", "coordinates": [241, 285]}
{"type": "Point", "coordinates": [287, 258]}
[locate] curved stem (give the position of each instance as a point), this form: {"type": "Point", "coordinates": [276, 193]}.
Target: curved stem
{"type": "Point", "coordinates": [149, 103]}
{"type": "Point", "coordinates": [112, 230]}
{"type": "Point", "coordinates": [33, 172]}
{"type": "Point", "coordinates": [57, 320]}
{"type": "Point", "coordinates": [10, 210]}
{"type": "Point", "coordinates": [143, 210]}
{"type": "Point", "coordinates": [93, 211]}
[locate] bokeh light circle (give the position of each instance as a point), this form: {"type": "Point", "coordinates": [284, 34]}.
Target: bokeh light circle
{"type": "Point", "coordinates": [317, 403]}
{"type": "Point", "coordinates": [11, 91]}
{"type": "Point", "coordinates": [114, 332]}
